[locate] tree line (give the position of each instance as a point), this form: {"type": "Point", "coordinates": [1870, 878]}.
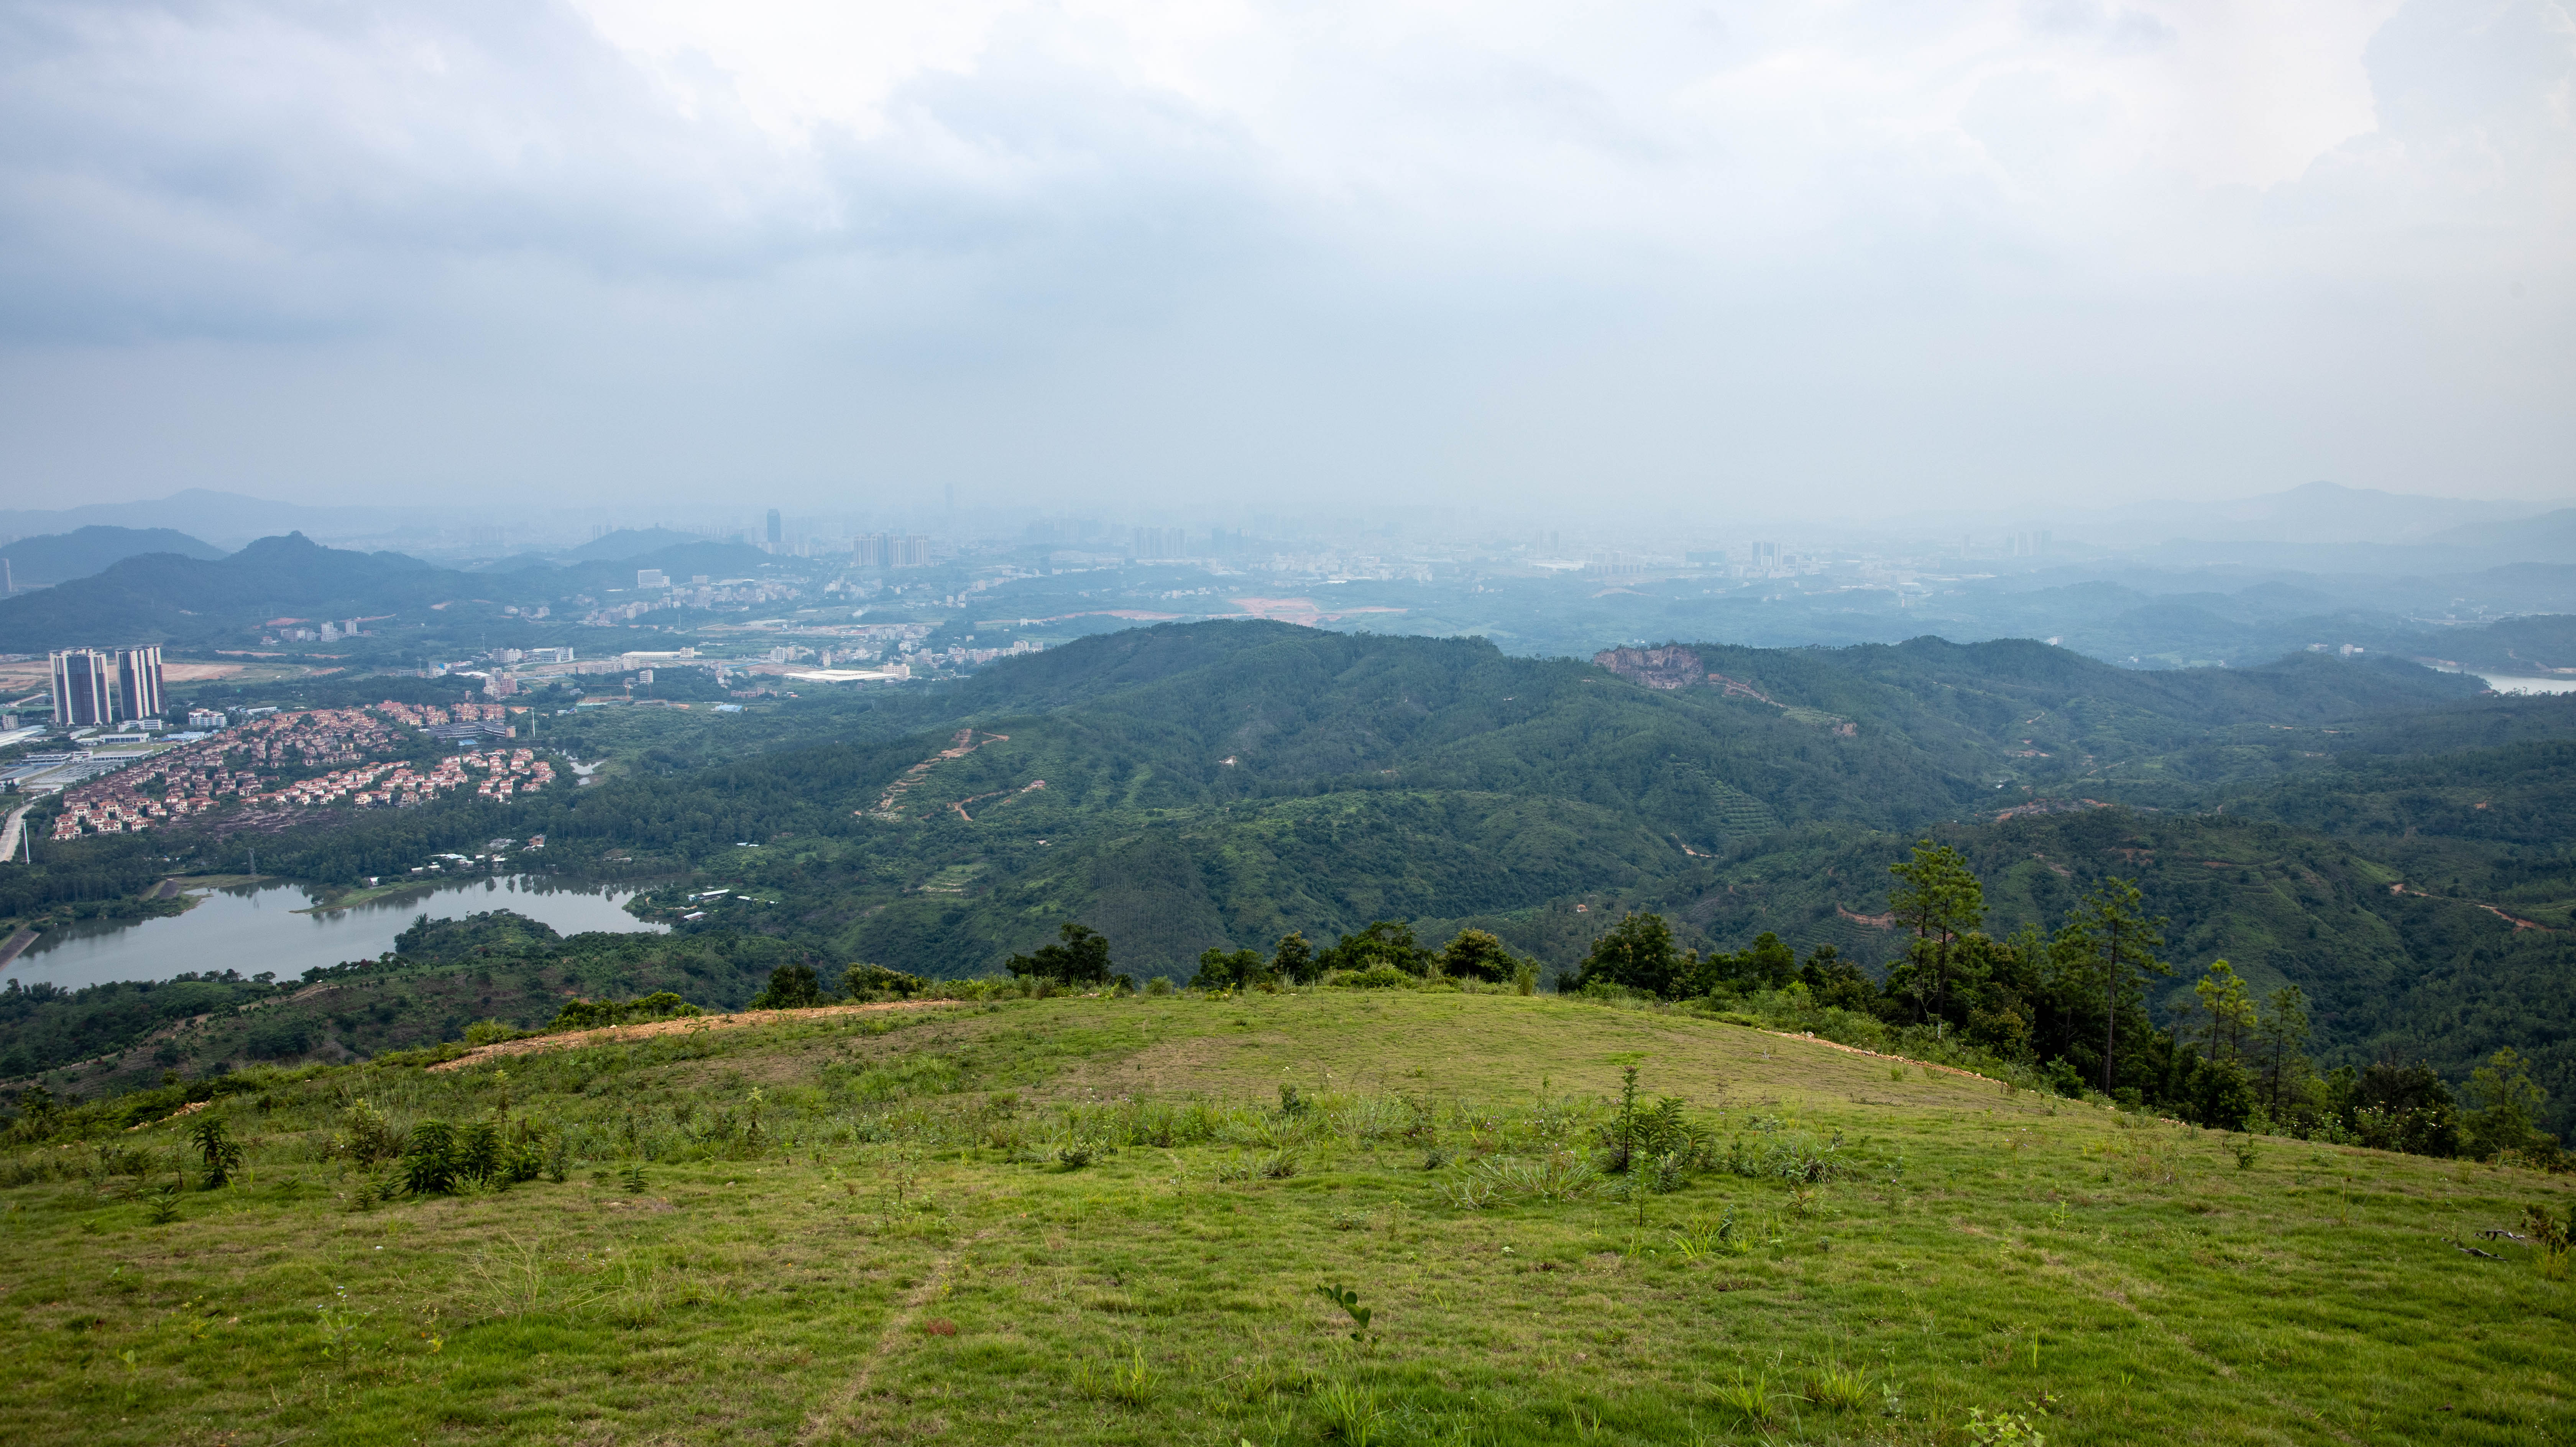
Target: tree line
{"type": "Point", "coordinates": [2071, 1005]}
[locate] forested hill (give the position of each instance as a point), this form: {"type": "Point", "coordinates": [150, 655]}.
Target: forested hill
{"type": "Point", "coordinates": [171, 598]}
{"type": "Point", "coordinates": [1217, 785]}
{"type": "Point", "coordinates": [1194, 786]}
{"type": "Point", "coordinates": [61, 557]}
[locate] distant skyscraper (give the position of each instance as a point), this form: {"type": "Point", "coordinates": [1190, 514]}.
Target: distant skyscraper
{"type": "Point", "coordinates": [872, 550]}
{"type": "Point", "coordinates": [138, 680]}
{"type": "Point", "coordinates": [777, 530]}
{"type": "Point", "coordinates": [80, 688]}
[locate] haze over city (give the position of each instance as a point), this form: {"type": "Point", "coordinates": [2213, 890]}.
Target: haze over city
{"type": "Point", "coordinates": [1657, 262]}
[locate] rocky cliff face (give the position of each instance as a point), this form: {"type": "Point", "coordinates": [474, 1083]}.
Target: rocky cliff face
{"type": "Point", "coordinates": [1653, 667]}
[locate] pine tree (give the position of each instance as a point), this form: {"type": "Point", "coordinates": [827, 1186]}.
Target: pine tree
{"type": "Point", "coordinates": [2283, 1033]}
{"type": "Point", "coordinates": [2230, 1008]}
{"type": "Point", "coordinates": [2118, 945]}
{"type": "Point", "coordinates": [1940, 900]}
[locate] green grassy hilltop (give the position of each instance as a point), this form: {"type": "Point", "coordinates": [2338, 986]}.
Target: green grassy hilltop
{"type": "Point", "coordinates": [1080, 1219]}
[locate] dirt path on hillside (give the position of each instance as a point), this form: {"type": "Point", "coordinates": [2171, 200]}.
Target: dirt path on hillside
{"type": "Point", "coordinates": [573, 1039]}
{"type": "Point", "coordinates": [2516, 921]}
{"type": "Point", "coordinates": [959, 747]}
{"type": "Point", "coordinates": [853, 1396]}
{"type": "Point", "coordinates": [1927, 1065]}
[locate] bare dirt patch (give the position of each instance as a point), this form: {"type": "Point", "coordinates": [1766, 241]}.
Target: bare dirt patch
{"type": "Point", "coordinates": [574, 1039]}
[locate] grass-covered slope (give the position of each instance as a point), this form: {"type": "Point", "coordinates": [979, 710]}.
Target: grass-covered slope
{"type": "Point", "coordinates": [1103, 1221]}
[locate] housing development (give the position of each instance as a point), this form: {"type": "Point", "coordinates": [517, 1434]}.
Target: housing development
{"type": "Point", "coordinates": [250, 763]}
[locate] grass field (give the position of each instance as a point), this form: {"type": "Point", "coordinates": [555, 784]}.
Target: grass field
{"type": "Point", "coordinates": [1103, 1220]}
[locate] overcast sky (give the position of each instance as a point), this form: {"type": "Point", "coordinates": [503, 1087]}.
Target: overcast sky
{"type": "Point", "coordinates": [1755, 257]}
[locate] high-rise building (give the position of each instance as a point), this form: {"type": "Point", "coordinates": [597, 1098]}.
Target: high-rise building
{"type": "Point", "coordinates": [777, 530]}
{"type": "Point", "coordinates": [80, 688]}
{"type": "Point", "coordinates": [138, 680]}
{"type": "Point", "coordinates": [890, 550]}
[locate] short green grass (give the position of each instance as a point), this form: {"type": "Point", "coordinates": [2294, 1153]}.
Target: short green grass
{"type": "Point", "coordinates": [865, 1229]}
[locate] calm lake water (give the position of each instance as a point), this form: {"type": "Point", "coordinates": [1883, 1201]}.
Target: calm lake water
{"type": "Point", "coordinates": [2512, 683]}
{"type": "Point", "coordinates": [251, 929]}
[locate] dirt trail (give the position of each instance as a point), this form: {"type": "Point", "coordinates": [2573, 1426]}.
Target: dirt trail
{"type": "Point", "coordinates": [959, 747]}
{"type": "Point", "coordinates": [1927, 1065]}
{"type": "Point", "coordinates": [574, 1039]}
{"type": "Point", "coordinates": [2517, 921]}
{"type": "Point", "coordinates": [837, 1411]}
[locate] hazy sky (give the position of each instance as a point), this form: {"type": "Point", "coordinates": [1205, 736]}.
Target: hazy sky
{"type": "Point", "coordinates": [1765, 257]}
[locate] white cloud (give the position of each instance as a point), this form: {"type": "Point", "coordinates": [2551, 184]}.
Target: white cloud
{"type": "Point", "coordinates": [1649, 250]}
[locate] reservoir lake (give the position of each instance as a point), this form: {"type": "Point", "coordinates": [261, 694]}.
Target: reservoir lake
{"type": "Point", "coordinates": [252, 928]}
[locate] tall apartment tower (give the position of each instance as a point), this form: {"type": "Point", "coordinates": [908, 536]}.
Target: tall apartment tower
{"type": "Point", "coordinates": [777, 530]}
{"type": "Point", "coordinates": [138, 680]}
{"type": "Point", "coordinates": [80, 688]}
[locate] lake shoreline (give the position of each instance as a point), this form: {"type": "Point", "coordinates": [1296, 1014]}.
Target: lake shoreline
{"type": "Point", "coordinates": [267, 925]}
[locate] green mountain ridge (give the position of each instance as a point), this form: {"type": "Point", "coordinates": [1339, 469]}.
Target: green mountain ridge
{"type": "Point", "coordinates": [1217, 785]}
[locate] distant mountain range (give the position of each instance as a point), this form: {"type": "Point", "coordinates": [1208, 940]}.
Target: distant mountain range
{"type": "Point", "coordinates": [633, 542]}
{"type": "Point", "coordinates": [178, 599]}
{"type": "Point", "coordinates": [227, 518]}
{"type": "Point", "coordinates": [2324, 527]}
{"type": "Point", "coordinates": [2326, 513]}
{"type": "Point", "coordinates": [168, 597]}
{"type": "Point", "coordinates": [61, 557]}
{"type": "Point", "coordinates": [2318, 526]}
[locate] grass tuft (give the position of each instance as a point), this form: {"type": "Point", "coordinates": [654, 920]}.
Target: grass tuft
{"type": "Point", "coordinates": [1837, 1388]}
{"type": "Point", "coordinates": [1748, 1397]}
{"type": "Point", "coordinates": [1348, 1414]}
